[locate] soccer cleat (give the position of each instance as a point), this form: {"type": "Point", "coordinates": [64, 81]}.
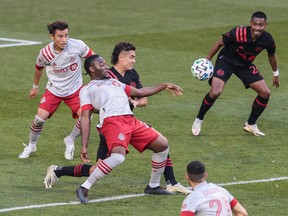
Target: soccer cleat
{"type": "Point", "coordinates": [157, 191]}
{"type": "Point", "coordinates": [196, 127]}
{"type": "Point", "coordinates": [178, 188]}
{"type": "Point", "coordinates": [253, 129]}
{"type": "Point", "coordinates": [82, 194]}
{"type": "Point", "coordinates": [50, 177]}
{"type": "Point", "coordinates": [27, 152]}
{"type": "Point", "coordinates": [69, 151]}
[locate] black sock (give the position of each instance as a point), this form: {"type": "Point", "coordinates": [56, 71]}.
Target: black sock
{"type": "Point", "coordinates": [76, 171]}
{"type": "Point", "coordinates": [205, 106]}
{"type": "Point", "coordinates": [169, 172]}
{"type": "Point", "coordinates": [258, 107]}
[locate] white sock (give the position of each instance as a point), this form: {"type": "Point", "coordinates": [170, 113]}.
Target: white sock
{"type": "Point", "coordinates": [103, 169]}
{"type": "Point", "coordinates": [158, 163]}
{"type": "Point", "coordinates": [35, 131]}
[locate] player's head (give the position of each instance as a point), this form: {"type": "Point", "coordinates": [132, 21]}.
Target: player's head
{"type": "Point", "coordinates": [96, 67]}
{"type": "Point", "coordinates": [57, 25]}
{"type": "Point", "coordinates": [196, 172]}
{"type": "Point", "coordinates": [59, 34]}
{"type": "Point", "coordinates": [258, 24]}
{"type": "Point", "coordinates": [124, 55]}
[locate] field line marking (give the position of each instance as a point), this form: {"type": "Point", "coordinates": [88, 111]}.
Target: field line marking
{"type": "Point", "coordinates": [18, 42]}
{"type": "Point", "coordinates": [130, 196]}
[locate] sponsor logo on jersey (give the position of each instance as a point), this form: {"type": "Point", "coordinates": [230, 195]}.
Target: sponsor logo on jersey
{"type": "Point", "coordinates": [72, 67]}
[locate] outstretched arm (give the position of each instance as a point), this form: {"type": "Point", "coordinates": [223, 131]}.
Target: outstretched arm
{"type": "Point", "coordinates": [151, 90]}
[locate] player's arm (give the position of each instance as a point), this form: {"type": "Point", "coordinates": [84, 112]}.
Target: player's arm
{"type": "Point", "coordinates": [273, 63]}
{"type": "Point", "coordinates": [239, 210]}
{"type": "Point", "coordinates": [85, 124]}
{"type": "Point", "coordinates": [37, 76]}
{"type": "Point", "coordinates": [151, 90]}
{"type": "Point", "coordinates": [215, 48]}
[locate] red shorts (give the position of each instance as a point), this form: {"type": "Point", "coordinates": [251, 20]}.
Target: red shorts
{"type": "Point", "coordinates": [51, 102]}
{"type": "Point", "coordinates": [125, 130]}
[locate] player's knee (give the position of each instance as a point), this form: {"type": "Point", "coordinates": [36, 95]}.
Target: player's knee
{"type": "Point", "coordinates": [38, 121]}
{"type": "Point", "coordinates": [118, 157]}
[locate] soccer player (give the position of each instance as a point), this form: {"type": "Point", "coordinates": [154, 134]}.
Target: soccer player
{"type": "Point", "coordinates": [241, 45]}
{"type": "Point", "coordinates": [62, 59]}
{"type": "Point", "coordinates": [207, 198]}
{"type": "Point", "coordinates": [123, 58]}
{"type": "Point", "coordinates": [119, 126]}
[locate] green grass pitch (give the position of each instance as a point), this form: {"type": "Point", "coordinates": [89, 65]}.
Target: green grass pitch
{"type": "Point", "coordinates": [169, 36]}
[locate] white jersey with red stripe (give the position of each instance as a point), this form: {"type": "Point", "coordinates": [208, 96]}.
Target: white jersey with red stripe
{"type": "Point", "coordinates": [64, 69]}
{"type": "Point", "coordinates": [109, 96]}
{"type": "Point", "coordinates": [208, 199]}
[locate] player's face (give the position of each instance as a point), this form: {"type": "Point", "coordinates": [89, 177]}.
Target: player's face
{"type": "Point", "coordinates": [258, 26]}
{"type": "Point", "coordinates": [127, 59]}
{"type": "Point", "coordinates": [100, 68]}
{"type": "Point", "coordinates": [60, 39]}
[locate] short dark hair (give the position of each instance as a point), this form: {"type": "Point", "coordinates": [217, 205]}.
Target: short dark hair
{"type": "Point", "coordinates": [196, 171]}
{"type": "Point", "coordinates": [57, 25]}
{"type": "Point", "coordinates": [122, 46]}
{"type": "Point", "coordinates": [88, 62]}
{"type": "Point", "coordinates": [259, 14]}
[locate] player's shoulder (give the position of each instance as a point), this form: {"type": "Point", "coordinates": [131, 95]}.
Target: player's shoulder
{"type": "Point", "coordinates": [75, 42]}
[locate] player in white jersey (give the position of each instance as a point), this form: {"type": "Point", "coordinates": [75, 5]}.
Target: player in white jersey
{"type": "Point", "coordinates": [208, 199]}
{"type": "Point", "coordinates": [62, 59]}
{"type": "Point", "coordinates": [119, 126]}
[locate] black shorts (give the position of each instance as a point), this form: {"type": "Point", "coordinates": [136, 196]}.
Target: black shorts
{"type": "Point", "coordinates": [249, 74]}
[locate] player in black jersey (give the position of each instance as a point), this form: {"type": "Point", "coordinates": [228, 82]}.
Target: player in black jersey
{"type": "Point", "coordinates": [122, 59]}
{"type": "Point", "coordinates": [241, 45]}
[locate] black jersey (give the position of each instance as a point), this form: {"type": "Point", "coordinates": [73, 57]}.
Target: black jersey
{"type": "Point", "coordinates": [131, 77]}
{"type": "Point", "coordinates": [239, 48]}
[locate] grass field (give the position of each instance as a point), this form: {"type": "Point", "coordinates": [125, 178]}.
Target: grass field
{"type": "Point", "coordinates": [169, 36]}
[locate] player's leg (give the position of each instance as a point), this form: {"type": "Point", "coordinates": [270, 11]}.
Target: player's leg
{"type": "Point", "coordinates": [171, 183]}
{"type": "Point", "coordinates": [47, 107]}
{"type": "Point", "coordinates": [217, 88]}
{"type": "Point", "coordinates": [258, 106]}
{"type": "Point", "coordinates": [117, 149]}
{"type": "Point", "coordinates": [160, 153]}
{"type": "Point", "coordinates": [104, 168]}
{"type": "Point", "coordinates": [74, 104]}
{"type": "Point", "coordinates": [54, 172]}
{"type": "Point", "coordinates": [252, 78]}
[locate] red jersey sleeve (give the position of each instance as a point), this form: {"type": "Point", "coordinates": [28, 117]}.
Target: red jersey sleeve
{"type": "Point", "coordinates": [87, 107]}
{"type": "Point", "coordinates": [127, 90]}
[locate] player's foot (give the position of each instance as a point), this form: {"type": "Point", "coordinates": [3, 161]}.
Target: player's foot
{"type": "Point", "coordinates": [178, 188]}
{"type": "Point", "coordinates": [27, 152]}
{"type": "Point", "coordinates": [82, 194]}
{"type": "Point", "coordinates": [157, 191]}
{"type": "Point", "coordinates": [196, 127]}
{"type": "Point", "coordinates": [50, 177]}
{"type": "Point", "coordinates": [253, 129]}
{"type": "Point", "coordinates": [69, 151]}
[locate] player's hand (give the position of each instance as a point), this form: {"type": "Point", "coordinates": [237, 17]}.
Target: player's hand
{"type": "Point", "coordinates": [134, 102]}
{"type": "Point", "coordinates": [33, 93]}
{"type": "Point", "coordinates": [276, 81]}
{"type": "Point", "coordinates": [174, 89]}
{"type": "Point", "coordinates": [84, 157]}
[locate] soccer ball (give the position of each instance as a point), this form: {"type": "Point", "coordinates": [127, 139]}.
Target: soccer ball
{"type": "Point", "coordinates": [202, 69]}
